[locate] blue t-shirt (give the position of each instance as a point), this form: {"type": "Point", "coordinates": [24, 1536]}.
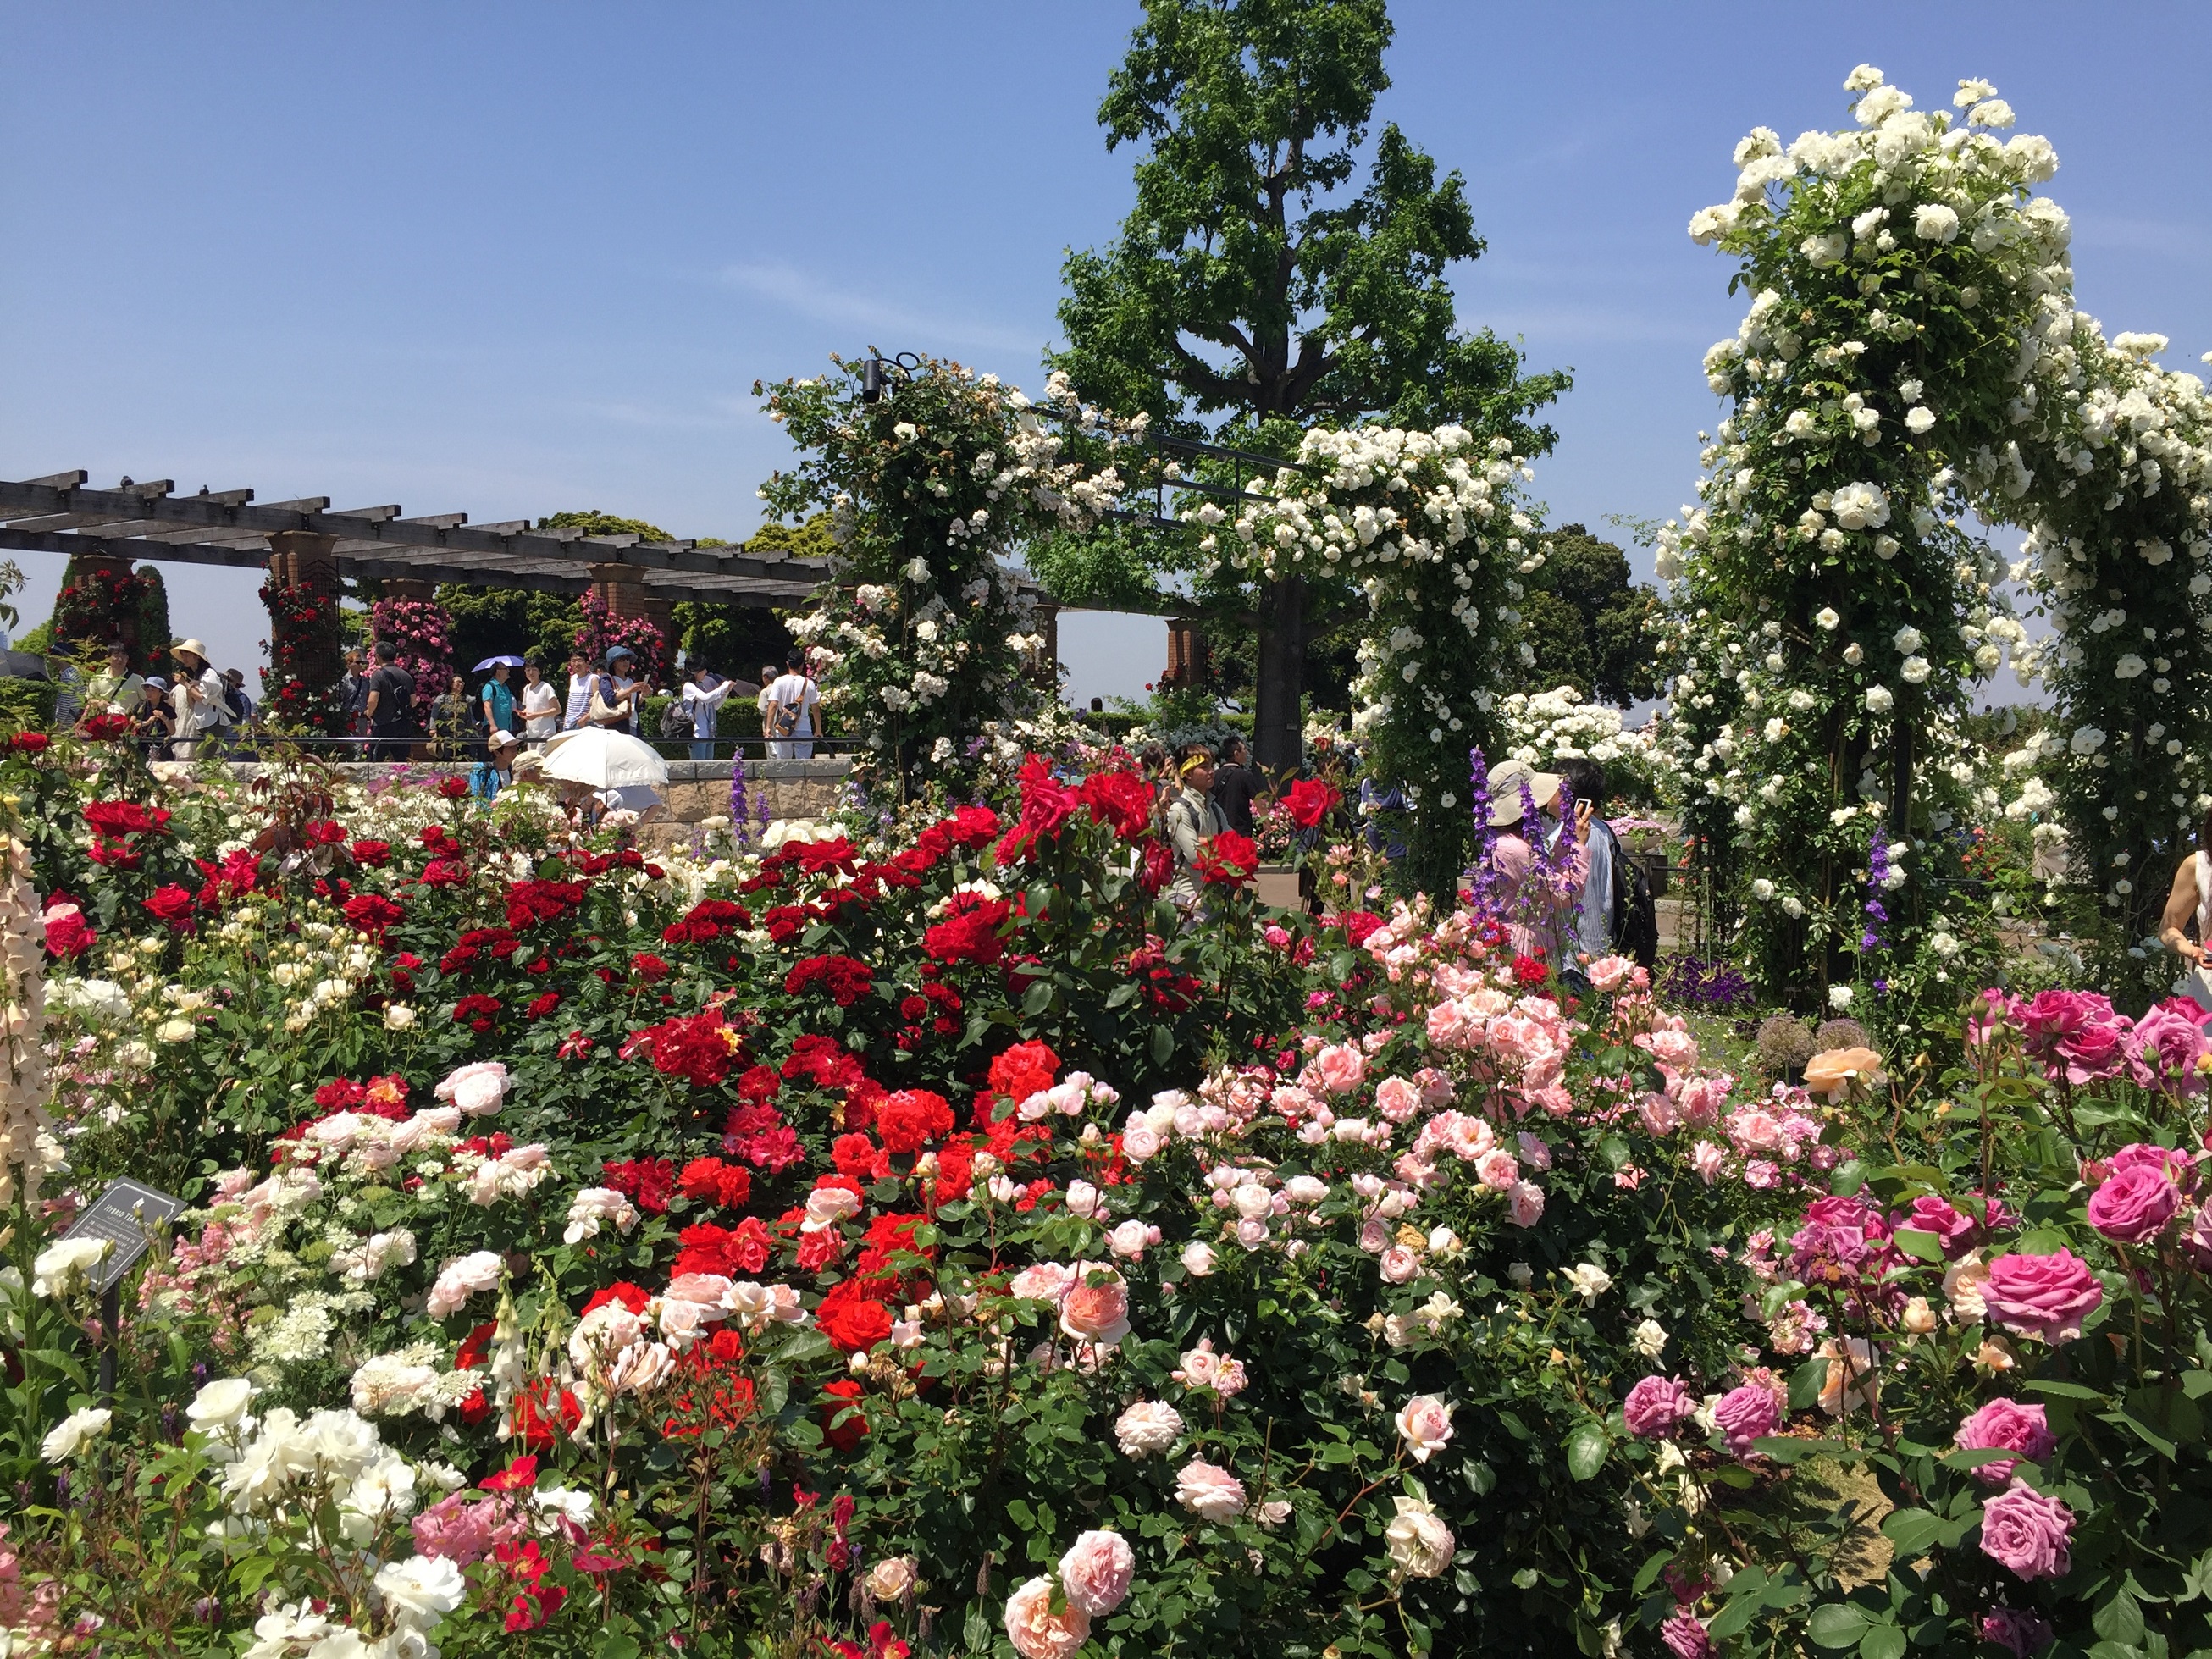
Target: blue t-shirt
{"type": "Point", "coordinates": [503, 705]}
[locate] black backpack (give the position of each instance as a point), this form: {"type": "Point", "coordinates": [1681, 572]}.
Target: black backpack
{"type": "Point", "coordinates": [1636, 914]}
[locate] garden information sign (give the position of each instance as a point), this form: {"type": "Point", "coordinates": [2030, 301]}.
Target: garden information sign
{"type": "Point", "coordinates": [125, 1214]}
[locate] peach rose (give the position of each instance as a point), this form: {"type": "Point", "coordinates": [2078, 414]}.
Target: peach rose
{"type": "Point", "coordinates": [1838, 1069]}
{"type": "Point", "coordinates": [1096, 1572]}
{"type": "Point", "coordinates": [891, 1578]}
{"type": "Point", "coordinates": [1342, 1068]}
{"type": "Point", "coordinates": [1038, 1632]}
{"type": "Point", "coordinates": [1098, 1309]}
{"type": "Point", "coordinates": [1425, 1423]}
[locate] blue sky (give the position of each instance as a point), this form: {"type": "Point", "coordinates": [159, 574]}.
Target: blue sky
{"type": "Point", "coordinates": [511, 259]}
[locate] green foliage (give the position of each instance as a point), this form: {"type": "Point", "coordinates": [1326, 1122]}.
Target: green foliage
{"type": "Point", "coordinates": [1252, 292]}
{"type": "Point", "coordinates": [1586, 618]}
{"type": "Point", "coordinates": [489, 622]}
{"type": "Point", "coordinates": [153, 612]}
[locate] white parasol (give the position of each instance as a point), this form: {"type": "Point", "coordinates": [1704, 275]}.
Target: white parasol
{"type": "Point", "coordinates": [604, 759]}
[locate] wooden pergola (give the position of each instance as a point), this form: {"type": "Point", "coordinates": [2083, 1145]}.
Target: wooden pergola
{"type": "Point", "coordinates": [304, 540]}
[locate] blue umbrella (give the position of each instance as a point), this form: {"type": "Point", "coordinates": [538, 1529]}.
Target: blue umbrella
{"type": "Point", "coordinates": [493, 662]}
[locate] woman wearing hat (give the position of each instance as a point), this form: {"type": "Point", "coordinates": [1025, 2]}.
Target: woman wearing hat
{"type": "Point", "coordinates": [196, 700]}
{"type": "Point", "coordinates": [150, 718]}
{"type": "Point", "coordinates": [615, 695]}
{"type": "Point", "coordinates": [1539, 915]}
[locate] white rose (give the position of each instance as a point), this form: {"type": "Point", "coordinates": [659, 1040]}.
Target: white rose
{"type": "Point", "coordinates": [1826, 618]}
{"type": "Point", "coordinates": [1880, 698]}
{"type": "Point", "coordinates": [1933, 222]}
{"type": "Point", "coordinates": [1914, 670]}
{"type": "Point", "coordinates": [69, 1437]}
{"type": "Point", "coordinates": [422, 1589]}
{"type": "Point", "coordinates": [1420, 1545]}
{"type": "Point", "coordinates": [221, 1405]}
{"type": "Point", "coordinates": [62, 1264]}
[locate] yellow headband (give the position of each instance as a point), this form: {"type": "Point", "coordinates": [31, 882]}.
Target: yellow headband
{"type": "Point", "coordinates": [1195, 762]}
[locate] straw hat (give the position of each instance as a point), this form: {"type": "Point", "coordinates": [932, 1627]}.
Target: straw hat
{"type": "Point", "coordinates": [193, 646]}
{"type": "Point", "coordinates": [1505, 782]}
{"type": "Point", "coordinates": [529, 763]}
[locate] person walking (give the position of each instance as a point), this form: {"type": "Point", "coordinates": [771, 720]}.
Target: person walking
{"type": "Point", "coordinates": [614, 694]}
{"type": "Point", "coordinates": [791, 699]}
{"type": "Point", "coordinates": [390, 708]}
{"type": "Point", "coordinates": [1540, 919]}
{"type": "Point", "coordinates": [151, 719]}
{"type": "Point", "coordinates": [540, 704]}
{"type": "Point", "coordinates": [114, 688]}
{"type": "Point", "coordinates": [703, 703]}
{"type": "Point", "coordinates": [197, 701]}
{"type": "Point", "coordinates": [1193, 820]}
{"type": "Point", "coordinates": [498, 700]}
{"type": "Point", "coordinates": [454, 720]}
{"type": "Point", "coordinates": [353, 693]}
{"type": "Point", "coordinates": [1236, 786]}
{"type": "Point", "coordinates": [579, 707]}
{"type": "Point", "coordinates": [2188, 903]}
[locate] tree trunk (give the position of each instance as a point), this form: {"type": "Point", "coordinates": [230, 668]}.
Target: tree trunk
{"type": "Point", "coordinates": [1277, 735]}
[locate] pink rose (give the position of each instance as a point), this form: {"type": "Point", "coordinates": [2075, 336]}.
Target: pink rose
{"type": "Point", "coordinates": [2197, 1241]}
{"type": "Point", "coordinates": [1399, 1264]}
{"type": "Point", "coordinates": [1498, 1170]}
{"type": "Point", "coordinates": [2027, 1532]}
{"type": "Point", "coordinates": [1139, 1140]}
{"type": "Point", "coordinates": [2009, 1425]}
{"type": "Point", "coordinates": [2176, 1165]}
{"type": "Point", "coordinates": [1096, 1572]}
{"type": "Point", "coordinates": [1608, 972]}
{"type": "Point", "coordinates": [1746, 1414]}
{"type": "Point", "coordinates": [1342, 1068]}
{"type": "Point", "coordinates": [1524, 1204]}
{"type": "Point", "coordinates": [1450, 1027]}
{"type": "Point", "coordinates": [477, 1089]}
{"type": "Point", "coordinates": [2134, 1204]}
{"type": "Point", "coordinates": [1425, 1424]}
{"type": "Point", "coordinates": [1038, 1632]}
{"type": "Point", "coordinates": [2044, 1296]}
{"type": "Point", "coordinates": [2169, 1040]}
{"type": "Point", "coordinates": [1708, 1160]}
{"type": "Point", "coordinates": [1954, 1230]}
{"type": "Point", "coordinates": [1202, 1368]}
{"type": "Point", "coordinates": [1098, 1309]}
{"type": "Point", "coordinates": [1660, 1114]}
{"type": "Point", "coordinates": [1656, 1407]}
{"type": "Point", "coordinates": [1209, 1492]}
{"type": "Point", "coordinates": [1684, 1633]}
{"type": "Point", "coordinates": [1397, 1099]}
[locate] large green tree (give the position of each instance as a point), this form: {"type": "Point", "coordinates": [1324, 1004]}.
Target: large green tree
{"type": "Point", "coordinates": [1254, 292]}
{"type": "Point", "coordinates": [1585, 619]}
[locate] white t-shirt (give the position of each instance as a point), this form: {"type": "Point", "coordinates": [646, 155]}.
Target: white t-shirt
{"type": "Point", "coordinates": [541, 710]}
{"type": "Point", "coordinates": [703, 705]}
{"type": "Point", "coordinates": [579, 699]}
{"type": "Point", "coordinates": [795, 689]}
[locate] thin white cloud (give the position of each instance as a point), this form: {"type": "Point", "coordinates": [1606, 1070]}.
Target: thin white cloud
{"type": "Point", "coordinates": [809, 296]}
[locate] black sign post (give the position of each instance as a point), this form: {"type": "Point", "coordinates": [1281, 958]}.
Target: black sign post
{"type": "Point", "coordinates": [126, 1215]}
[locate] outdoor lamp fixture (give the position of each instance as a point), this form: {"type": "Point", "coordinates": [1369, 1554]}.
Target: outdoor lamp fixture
{"type": "Point", "coordinates": [875, 373]}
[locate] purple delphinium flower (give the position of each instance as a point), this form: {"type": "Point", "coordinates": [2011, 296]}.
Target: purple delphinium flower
{"type": "Point", "coordinates": [1482, 879]}
{"type": "Point", "coordinates": [739, 808]}
{"type": "Point", "coordinates": [1878, 868]}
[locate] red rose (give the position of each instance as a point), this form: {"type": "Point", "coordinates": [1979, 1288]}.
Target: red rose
{"type": "Point", "coordinates": [28, 742]}
{"type": "Point", "coordinates": [452, 788]}
{"type": "Point", "coordinates": [371, 853]}
{"type": "Point", "coordinates": [841, 1417]}
{"type": "Point", "coordinates": [372, 915]}
{"type": "Point", "coordinates": [67, 934]}
{"type": "Point", "coordinates": [171, 904]}
{"type": "Point", "coordinates": [1309, 800]}
{"type": "Point", "coordinates": [710, 1181]}
{"type": "Point", "coordinates": [1121, 799]}
{"type": "Point", "coordinates": [649, 968]}
{"type": "Point", "coordinates": [542, 1006]}
{"type": "Point", "coordinates": [1229, 859]}
{"type": "Point", "coordinates": [910, 1119]}
{"type": "Point", "coordinates": [845, 980]}
{"type": "Point", "coordinates": [646, 1182]}
{"type": "Point", "coordinates": [970, 930]}
{"type": "Point", "coordinates": [852, 1319]}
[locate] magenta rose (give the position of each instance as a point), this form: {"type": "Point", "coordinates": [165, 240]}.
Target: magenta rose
{"type": "Point", "coordinates": [2025, 1634]}
{"type": "Point", "coordinates": [2168, 1041]}
{"type": "Point", "coordinates": [1746, 1414]}
{"type": "Point", "coordinates": [1684, 1637]}
{"type": "Point", "coordinates": [2177, 1166]}
{"type": "Point", "coordinates": [2096, 1051]}
{"type": "Point", "coordinates": [2134, 1204]}
{"type": "Point", "coordinates": [2027, 1532]}
{"type": "Point", "coordinates": [1954, 1228]}
{"type": "Point", "coordinates": [2044, 1296]}
{"type": "Point", "coordinates": [1656, 1407]}
{"type": "Point", "coordinates": [2006, 1425]}
{"type": "Point", "coordinates": [2197, 1241]}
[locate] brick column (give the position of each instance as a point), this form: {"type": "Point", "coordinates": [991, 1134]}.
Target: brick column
{"type": "Point", "coordinates": [622, 586]}
{"type": "Point", "coordinates": [304, 558]}
{"type": "Point", "coordinates": [1186, 665]}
